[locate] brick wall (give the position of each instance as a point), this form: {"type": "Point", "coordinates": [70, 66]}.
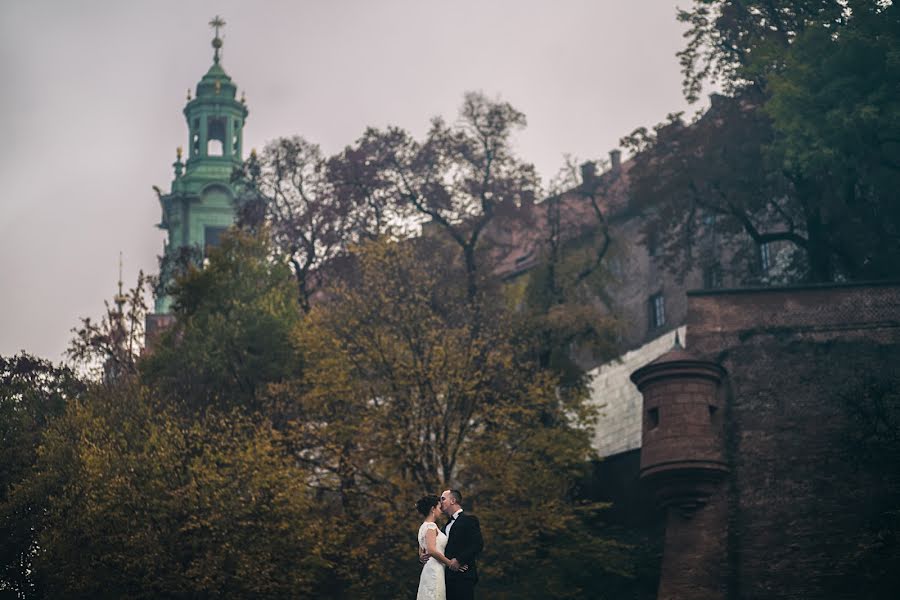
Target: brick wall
{"type": "Point", "coordinates": [813, 494]}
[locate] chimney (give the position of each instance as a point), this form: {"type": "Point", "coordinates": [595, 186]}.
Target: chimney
{"type": "Point", "coordinates": [615, 160]}
{"type": "Point", "coordinates": [588, 172]}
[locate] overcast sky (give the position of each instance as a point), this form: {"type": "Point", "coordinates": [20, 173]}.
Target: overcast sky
{"type": "Point", "coordinates": [92, 94]}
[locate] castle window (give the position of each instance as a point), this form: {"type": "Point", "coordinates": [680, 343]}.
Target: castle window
{"type": "Point", "coordinates": [615, 266]}
{"type": "Point", "coordinates": [657, 305]}
{"type": "Point", "coordinates": [652, 418]}
{"type": "Point", "coordinates": [652, 243]}
{"type": "Point", "coordinates": [712, 277]}
{"type": "Point", "coordinates": [765, 260]}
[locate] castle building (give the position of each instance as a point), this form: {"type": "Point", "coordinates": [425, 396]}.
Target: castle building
{"type": "Point", "coordinates": [201, 203]}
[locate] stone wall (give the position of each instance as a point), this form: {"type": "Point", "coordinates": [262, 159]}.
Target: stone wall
{"type": "Point", "coordinates": [619, 426]}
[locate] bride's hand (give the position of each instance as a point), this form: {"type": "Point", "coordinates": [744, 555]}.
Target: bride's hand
{"type": "Point", "coordinates": [455, 566]}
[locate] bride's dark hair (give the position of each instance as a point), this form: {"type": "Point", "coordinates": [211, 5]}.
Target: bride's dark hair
{"type": "Point", "coordinates": [426, 503]}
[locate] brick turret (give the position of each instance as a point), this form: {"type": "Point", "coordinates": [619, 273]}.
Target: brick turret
{"type": "Point", "coordinates": [683, 462]}
{"type": "Point", "coordinates": [682, 452]}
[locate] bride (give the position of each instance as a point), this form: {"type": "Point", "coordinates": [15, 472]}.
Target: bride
{"type": "Point", "coordinates": [433, 541]}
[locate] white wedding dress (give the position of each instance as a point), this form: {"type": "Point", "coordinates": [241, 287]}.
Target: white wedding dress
{"type": "Point", "coordinates": [431, 582]}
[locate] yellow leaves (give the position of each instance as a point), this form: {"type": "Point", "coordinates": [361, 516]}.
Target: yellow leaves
{"type": "Point", "coordinates": [399, 384]}
{"type": "Point", "coordinates": [211, 503]}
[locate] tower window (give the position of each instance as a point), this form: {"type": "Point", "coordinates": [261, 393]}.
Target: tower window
{"type": "Point", "coordinates": [657, 305]}
{"type": "Point", "coordinates": [212, 236]}
{"type": "Point", "coordinates": [652, 418]}
{"type": "Point", "coordinates": [215, 133]}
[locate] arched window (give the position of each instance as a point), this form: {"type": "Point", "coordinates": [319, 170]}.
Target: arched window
{"type": "Point", "coordinates": [215, 132]}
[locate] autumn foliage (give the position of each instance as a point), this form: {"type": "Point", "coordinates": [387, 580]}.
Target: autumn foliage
{"type": "Point", "coordinates": [324, 371]}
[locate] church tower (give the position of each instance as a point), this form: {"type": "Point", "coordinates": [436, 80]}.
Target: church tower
{"type": "Point", "coordinates": [202, 201]}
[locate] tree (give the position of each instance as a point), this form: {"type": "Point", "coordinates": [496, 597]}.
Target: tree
{"type": "Point", "coordinates": [143, 502]}
{"type": "Point", "coordinates": [837, 120]}
{"type": "Point", "coordinates": [741, 42]}
{"type": "Point", "coordinates": [560, 299]}
{"type": "Point", "coordinates": [33, 393]}
{"type": "Point", "coordinates": [458, 178]}
{"type": "Point", "coordinates": [111, 348]}
{"type": "Point", "coordinates": [231, 337]}
{"type": "Point", "coordinates": [708, 186]}
{"type": "Point", "coordinates": [288, 188]}
{"type": "Point", "coordinates": [765, 162]}
{"type": "Point", "coordinates": [399, 398]}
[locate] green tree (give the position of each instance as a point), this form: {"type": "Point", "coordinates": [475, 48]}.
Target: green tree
{"type": "Point", "coordinates": [803, 152]}
{"type": "Point", "coordinates": [834, 106]}
{"type": "Point", "coordinates": [234, 318]}
{"type": "Point", "coordinates": [141, 502]}
{"type": "Point", "coordinates": [737, 43]}
{"type": "Point", "coordinates": [33, 393]}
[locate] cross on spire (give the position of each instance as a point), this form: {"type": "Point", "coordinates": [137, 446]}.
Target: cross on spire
{"type": "Point", "coordinates": [216, 23]}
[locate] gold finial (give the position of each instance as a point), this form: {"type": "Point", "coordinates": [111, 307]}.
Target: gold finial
{"type": "Point", "coordinates": [189, 95]}
{"type": "Point", "coordinates": [178, 152]}
{"type": "Point", "coordinates": [243, 98]}
{"type": "Point", "coordinates": [217, 42]}
{"type": "Point", "coordinates": [253, 153]}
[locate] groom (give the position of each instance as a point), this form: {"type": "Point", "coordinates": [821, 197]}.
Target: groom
{"type": "Point", "coordinates": [464, 544]}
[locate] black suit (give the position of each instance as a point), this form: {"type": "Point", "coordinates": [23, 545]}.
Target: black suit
{"type": "Point", "coordinates": [464, 544]}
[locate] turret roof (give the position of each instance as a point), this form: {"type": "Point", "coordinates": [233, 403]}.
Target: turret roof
{"type": "Point", "coordinates": [216, 83]}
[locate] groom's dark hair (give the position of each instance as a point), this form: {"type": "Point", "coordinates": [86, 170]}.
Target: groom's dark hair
{"type": "Point", "coordinates": [457, 495]}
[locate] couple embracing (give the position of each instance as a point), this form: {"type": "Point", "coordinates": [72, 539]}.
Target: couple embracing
{"type": "Point", "coordinates": [448, 554]}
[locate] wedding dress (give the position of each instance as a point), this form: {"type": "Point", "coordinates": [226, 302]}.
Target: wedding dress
{"type": "Point", "coordinates": [431, 581]}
